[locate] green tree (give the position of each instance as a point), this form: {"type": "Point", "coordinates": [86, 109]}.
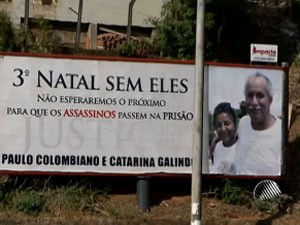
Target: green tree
{"type": "Point", "coordinates": [232, 33]}
{"type": "Point", "coordinates": [7, 33]}
{"type": "Point", "coordinates": [175, 30]}
{"type": "Point", "coordinates": [42, 39]}
{"type": "Point", "coordinates": [230, 27]}
{"type": "Point", "coordinates": [278, 22]}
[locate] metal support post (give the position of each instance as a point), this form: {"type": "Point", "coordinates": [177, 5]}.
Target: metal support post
{"type": "Point", "coordinates": [198, 119]}
{"type": "Point", "coordinates": [129, 25]}
{"type": "Point", "coordinates": [143, 193]}
{"type": "Point", "coordinates": [79, 15]}
{"type": "Point", "coordinates": [26, 17]}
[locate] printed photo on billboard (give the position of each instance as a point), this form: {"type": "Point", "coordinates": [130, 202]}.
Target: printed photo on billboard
{"type": "Point", "coordinates": [246, 121]}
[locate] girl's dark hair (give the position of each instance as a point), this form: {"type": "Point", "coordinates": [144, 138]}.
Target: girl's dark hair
{"type": "Point", "coordinates": [224, 107]}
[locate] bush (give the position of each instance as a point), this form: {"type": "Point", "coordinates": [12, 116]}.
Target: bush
{"type": "Point", "coordinates": [7, 33]}
{"type": "Point", "coordinates": [138, 48]}
{"type": "Point", "coordinates": [233, 194]}
{"type": "Point", "coordinates": [28, 202]}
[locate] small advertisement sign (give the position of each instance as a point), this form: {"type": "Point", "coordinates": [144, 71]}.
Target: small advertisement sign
{"type": "Point", "coordinates": [263, 53]}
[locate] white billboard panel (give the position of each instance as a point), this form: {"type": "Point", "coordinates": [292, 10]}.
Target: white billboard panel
{"type": "Point", "coordinates": [72, 115]}
{"type": "Point", "coordinates": [248, 119]}
{"type": "Point", "coordinates": [130, 117]}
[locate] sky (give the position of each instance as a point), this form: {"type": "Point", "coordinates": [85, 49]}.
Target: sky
{"type": "Point", "coordinates": [227, 84]}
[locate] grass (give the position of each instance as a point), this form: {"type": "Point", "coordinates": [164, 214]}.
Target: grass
{"type": "Point", "coordinates": [33, 195]}
{"type": "Point", "coordinates": [74, 200]}
{"type": "Point", "coordinates": [29, 202]}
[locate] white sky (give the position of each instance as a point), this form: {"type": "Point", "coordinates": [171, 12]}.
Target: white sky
{"type": "Point", "coordinates": [227, 84]}
{"type": "Point", "coordinates": [108, 12]}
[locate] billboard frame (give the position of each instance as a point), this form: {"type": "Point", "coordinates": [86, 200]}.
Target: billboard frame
{"type": "Point", "coordinates": [286, 153]}
{"type": "Point", "coordinates": [191, 62]}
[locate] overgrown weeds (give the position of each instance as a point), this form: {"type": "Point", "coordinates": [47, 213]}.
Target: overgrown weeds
{"type": "Point", "coordinates": [233, 193]}
{"type": "Point", "coordinates": [33, 196]}
{"type": "Point", "coordinates": [29, 202]}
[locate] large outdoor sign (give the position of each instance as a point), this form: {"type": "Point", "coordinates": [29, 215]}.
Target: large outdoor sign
{"type": "Point", "coordinates": [105, 116]}
{"type": "Point", "coordinates": [75, 115]}
{"type": "Point", "coordinates": [247, 120]}
{"type": "Point", "coordinates": [263, 53]}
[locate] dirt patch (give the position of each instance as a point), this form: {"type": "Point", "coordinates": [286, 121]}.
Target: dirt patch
{"type": "Point", "coordinates": [122, 209]}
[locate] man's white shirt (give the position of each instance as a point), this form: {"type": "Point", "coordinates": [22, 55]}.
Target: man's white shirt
{"type": "Point", "coordinates": [259, 152]}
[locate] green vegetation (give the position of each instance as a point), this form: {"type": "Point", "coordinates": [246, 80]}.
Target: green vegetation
{"type": "Point", "coordinates": [138, 48]}
{"type": "Point", "coordinates": [78, 195]}
{"type": "Point", "coordinates": [42, 39]}
{"type": "Point", "coordinates": [38, 40]}
{"type": "Point", "coordinates": [234, 194]}
{"type": "Point", "coordinates": [7, 33]}
{"type": "Point", "coordinates": [269, 206]}
{"type": "Point", "coordinates": [33, 196]}
{"type": "Point", "coordinates": [230, 27]}
{"type": "Point", "coordinates": [29, 202]}
{"type": "Point", "coordinates": [175, 30]}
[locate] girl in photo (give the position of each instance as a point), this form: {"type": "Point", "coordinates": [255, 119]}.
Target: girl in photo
{"type": "Point", "coordinates": [224, 151]}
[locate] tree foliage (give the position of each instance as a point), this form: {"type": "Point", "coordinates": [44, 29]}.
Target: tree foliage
{"type": "Point", "coordinates": [277, 23]}
{"type": "Point", "coordinates": [42, 39]}
{"type": "Point", "coordinates": [230, 27]}
{"type": "Point", "coordinates": [175, 30]}
{"type": "Point", "coordinates": [39, 40]}
{"type": "Point", "coordinates": [7, 33]}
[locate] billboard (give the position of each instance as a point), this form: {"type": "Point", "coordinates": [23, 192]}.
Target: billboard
{"type": "Point", "coordinates": [120, 116]}
{"type": "Point", "coordinates": [263, 53]}
{"type": "Point", "coordinates": [247, 121]}
{"type": "Point", "coordinates": [98, 116]}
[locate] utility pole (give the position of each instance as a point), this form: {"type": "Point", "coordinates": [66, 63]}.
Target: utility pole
{"type": "Point", "coordinates": [198, 119]}
{"type": "Point", "coordinates": [79, 15]}
{"type": "Point", "coordinates": [26, 17]}
{"type": "Point", "coordinates": [129, 24]}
